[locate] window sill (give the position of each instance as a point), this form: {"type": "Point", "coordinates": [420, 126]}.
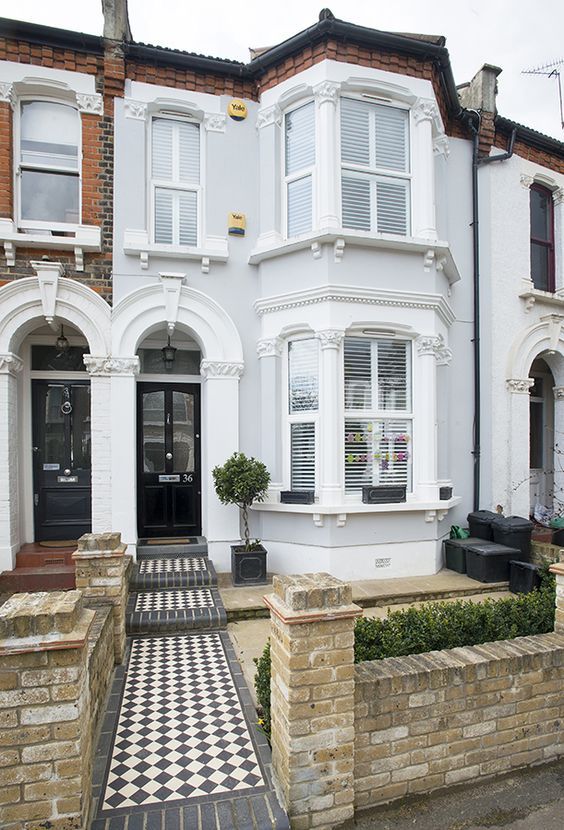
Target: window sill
{"type": "Point", "coordinates": [432, 509]}
{"type": "Point", "coordinates": [533, 295]}
{"type": "Point", "coordinates": [136, 243]}
{"type": "Point", "coordinates": [433, 251]}
{"type": "Point", "coordinates": [82, 238]}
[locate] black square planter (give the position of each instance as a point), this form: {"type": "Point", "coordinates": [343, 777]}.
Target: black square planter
{"type": "Point", "coordinates": [297, 496]}
{"type": "Point", "coordinates": [248, 567]}
{"type": "Point", "coordinates": [384, 494]}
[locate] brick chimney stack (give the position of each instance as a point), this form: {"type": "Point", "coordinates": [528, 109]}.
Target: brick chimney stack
{"type": "Point", "coordinates": [116, 20]}
{"type": "Point", "coordinates": [480, 94]}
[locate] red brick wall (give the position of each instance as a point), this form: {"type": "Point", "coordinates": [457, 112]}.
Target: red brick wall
{"type": "Point", "coordinates": [5, 160]}
{"type": "Point", "coordinates": [189, 79]}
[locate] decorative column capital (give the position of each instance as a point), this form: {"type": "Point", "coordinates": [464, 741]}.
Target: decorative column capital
{"type": "Point", "coordinates": [268, 116]}
{"type": "Point", "coordinates": [558, 196]}
{"type": "Point", "coordinates": [137, 110]}
{"type": "Point", "coordinates": [97, 366]}
{"type": "Point", "coordinates": [10, 364]}
{"type": "Point", "coordinates": [327, 91]}
{"type": "Point", "coordinates": [90, 104]}
{"type": "Point", "coordinates": [330, 338]}
{"type": "Point", "coordinates": [214, 122]}
{"type": "Point", "coordinates": [435, 346]}
{"type": "Point", "coordinates": [526, 181]}
{"type": "Point", "coordinates": [558, 393]}
{"type": "Point", "coordinates": [519, 386]}
{"type": "Point", "coordinates": [270, 347]}
{"type": "Point", "coordinates": [7, 93]}
{"type": "Point", "coordinates": [441, 145]}
{"type": "Point", "coordinates": [426, 109]}
{"type": "Point", "coordinates": [221, 369]}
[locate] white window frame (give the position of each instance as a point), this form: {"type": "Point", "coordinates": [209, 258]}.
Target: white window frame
{"type": "Point", "coordinates": [375, 174]}
{"type": "Point", "coordinates": [311, 416]}
{"type": "Point", "coordinates": [153, 183]}
{"type": "Point", "coordinates": [34, 224]}
{"type": "Point", "coordinates": [375, 414]}
{"type": "Point", "coordinates": [300, 174]}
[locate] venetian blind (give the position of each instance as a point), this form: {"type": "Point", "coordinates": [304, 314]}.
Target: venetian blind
{"type": "Point", "coordinates": [299, 155]}
{"type": "Point", "coordinates": [302, 472]}
{"type": "Point", "coordinates": [176, 159]}
{"type": "Point", "coordinates": [303, 375]}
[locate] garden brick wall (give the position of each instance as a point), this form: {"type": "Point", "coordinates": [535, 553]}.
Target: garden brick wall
{"type": "Point", "coordinates": [433, 720]}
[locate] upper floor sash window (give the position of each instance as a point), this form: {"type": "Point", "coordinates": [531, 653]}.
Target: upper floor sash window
{"type": "Point", "coordinates": [49, 164]}
{"type": "Point", "coordinates": [542, 238]}
{"type": "Point", "coordinates": [299, 138]}
{"type": "Point", "coordinates": [375, 182]}
{"type": "Point", "coordinates": [175, 177]}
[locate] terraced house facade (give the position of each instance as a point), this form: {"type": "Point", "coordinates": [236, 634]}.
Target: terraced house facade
{"type": "Point", "coordinates": [202, 256]}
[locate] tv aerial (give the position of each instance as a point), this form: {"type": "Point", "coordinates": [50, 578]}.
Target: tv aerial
{"type": "Point", "coordinates": [551, 70]}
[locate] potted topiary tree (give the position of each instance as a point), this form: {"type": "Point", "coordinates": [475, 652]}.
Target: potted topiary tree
{"type": "Point", "coordinates": [242, 481]}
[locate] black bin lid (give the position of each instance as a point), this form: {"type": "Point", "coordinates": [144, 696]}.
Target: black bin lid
{"type": "Point", "coordinates": [525, 566]}
{"type": "Point", "coordinates": [483, 516]}
{"type": "Point", "coordinates": [493, 549]}
{"type": "Point", "coordinates": [511, 523]}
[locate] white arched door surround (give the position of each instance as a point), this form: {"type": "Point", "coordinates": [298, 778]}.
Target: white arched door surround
{"type": "Point", "coordinates": [542, 339]}
{"type": "Point", "coordinates": [26, 304]}
{"type": "Point", "coordinates": [169, 303]}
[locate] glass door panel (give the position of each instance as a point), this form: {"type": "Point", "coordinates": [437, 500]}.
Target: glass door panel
{"type": "Point", "coordinates": [182, 432]}
{"type": "Point", "coordinates": [154, 432]}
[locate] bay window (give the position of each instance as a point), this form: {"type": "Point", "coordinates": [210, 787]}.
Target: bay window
{"type": "Point", "coordinates": [175, 181]}
{"type": "Point", "coordinates": [375, 167]}
{"type": "Point", "coordinates": [378, 412]}
{"type": "Point", "coordinates": [49, 164]}
{"type": "Point", "coordinates": [303, 411]}
{"type": "Point", "coordinates": [299, 162]}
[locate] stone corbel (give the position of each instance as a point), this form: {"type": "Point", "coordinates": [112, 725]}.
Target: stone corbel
{"type": "Point", "coordinates": [441, 514]}
{"type": "Point", "coordinates": [136, 110]}
{"type": "Point", "coordinates": [10, 364]}
{"type": "Point", "coordinates": [214, 122]}
{"type": "Point", "coordinates": [318, 519]}
{"type": "Point", "coordinates": [7, 93]}
{"type": "Point", "coordinates": [330, 338]}
{"type": "Point", "coordinates": [434, 345]}
{"type": "Point", "coordinates": [558, 393]}
{"type": "Point", "coordinates": [79, 258]}
{"type": "Point", "coordinates": [428, 259]}
{"type": "Point", "coordinates": [316, 250]}
{"type": "Point", "coordinates": [270, 347]}
{"type": "Point", "coordinates": [341, 519]}
{"type": "Point", "coordinates": [90, 104]}
{"type": "Point", "coordinates": [441, 145]}
{"type": "Point", "coordinates": [10, 252]}
{"type": "Point", "coordinates": [327, 92]}
{"type": "Point", "coordinates": [526, 181]}
{"type": "Point", "coordinates": [172, 284]}
{"type": "Point", "coordinates": [558, 196]}
{"type": "Point", "coordinates": [205, 265]}
{"type": "Point", "coordinates": [430, 515]}
{"type": "Point", "coordinates": [269, 116]}
{"type": "Point", "coordinates": [519, 386]}
{"type": "Point", "coordinates": [339, 249]}
{"type": "Point", "coordinates": [48, 274]}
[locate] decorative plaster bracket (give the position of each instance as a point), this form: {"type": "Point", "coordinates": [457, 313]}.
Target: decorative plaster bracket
{"type": "Point", "coordinates": [10, 364]}
{"type": "Point", "coordinates": [327, 92]}
{"type": "Point", "coordinates": [7, 93]}
{"type": "Point", "coordinates": [558, 196]}
{"type": "Point", "coordinates": [316, 250]}
{"type": "Point", "coordinates": [48, 274]}
{"type": "Point", "coordinates": [90, 104]}
{"type": "Point", "coordinates": [10, 252]}
{"type": "Point", "coordinates": [98, 366]}
{"type": "Point", "coordinates": [341, 519]}
{"type": "Point", "coordinates": [519, 385]}
{"type": "Point", "coordinates": [268, 116]}
{"type": "Point", "coordinates": [318, 519]}
{"type": "Point", "coordinates": [330, 338]}
{"type": "Point", "coordinates": [339, 249]}
{"type": "Point", "coordinates": [526, 181]}
{"type": "Point", "coordinates": [136, 110]}
{"type": "Point", "coordinates": [270, 347]}
{"type": "Point", "coordinates": [214, 122]}
{"type": "Point", "coordinates": [441, 145]}
{"type": "Point", "coordinates": [430, 515]}
{"type": "Point", "coordinates": [172, 284]}
{"type": "Point", "coordinates": [558, 393]}
{"type": "Point", "coordinates": [434, 345]}
{"type": "Point", "coordinates": [428, 259]}
{"type": "Point", "coordinates": [221, 369]}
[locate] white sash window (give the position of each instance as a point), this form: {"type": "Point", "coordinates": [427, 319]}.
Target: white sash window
{"type": "Point", "coordinates": [378, 412]}
{"type": "Point", "coordinates": [375, 179]}
{"type": "Point", "coordinates": [303, 411]}
{"type": "Point", "coordinates": [299, 163]}
{"type": "Point", "coordinates": [175, 181]}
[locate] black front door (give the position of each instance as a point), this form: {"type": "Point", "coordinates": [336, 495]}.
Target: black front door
{"type": "Point", "coordinates": [61, 459]}
{"type": "Point", "coordinates": [168, 428]}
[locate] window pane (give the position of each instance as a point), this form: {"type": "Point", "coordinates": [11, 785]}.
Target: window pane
{"type": "Point", "coordinates": [299, 206]}
{"type": "Point", "coordinates": [358, 373]}
{"type": "Point", "coordinates": [355, 135]}
{"type": "Point", "coordinates": [540, 214]}
{"type": "Point", "coordinates": [391, 206]}
{"type": "Point", "coordinates": [162, 149]}
{"type": "Point", "coordinates": [303, 372]}
{"type": "Point", "coordinates": [80, 428]}
{"type": "Point", "coordinates": [540, 259]}
{"type": "Point", "coordinates": [183, 432]}
{"type": "Point", "coordinates": [391, 135]}
{"type": "Point", "coordinates": [300, 138]}
{"type": "Point", "coordinates": [377, 452]}
{"type": "Point", "coordinates": [153, 425]}
{"type": "Point", "coordinates": [189, 153]}
{"type": "Point", "coordinates": [163, 216]}
{"type": "Point", "coordinates": [49, 358]}
{"type": "Point", "coordinates": [356, 202]}
{"type": "Point", "coordinates": [302, 474]}
{"type": "Point", "coordinates": [393, 381]}
{"type": "Point", "coordinates": [187, 218]}
{"type": "Point", "coordinates": [55, 450]}
{"type": "Point", "coordinates": [186, 362]}
{"type": "Point", "coordinates": [537, 434]}
{"type": "Point", "coordinates": [49, 134]}
{"type": "Point", "coordinates": [49, 197]}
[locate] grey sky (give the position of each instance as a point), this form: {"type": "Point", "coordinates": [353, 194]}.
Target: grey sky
{"type": "Point", "coordinates": [514, 35]}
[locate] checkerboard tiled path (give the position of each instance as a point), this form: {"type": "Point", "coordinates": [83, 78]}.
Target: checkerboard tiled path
{"type": "Point", "coordinates": [179, 748]}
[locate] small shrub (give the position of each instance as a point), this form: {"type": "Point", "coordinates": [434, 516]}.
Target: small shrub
{"type": "Point", "coordinates": [242, 481]}
{"type": "Point", "coordinates": [262, 686]}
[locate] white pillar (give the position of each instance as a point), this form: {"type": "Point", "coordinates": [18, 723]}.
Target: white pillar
{"type": "Point", "coordinates": [423, 190]}
{"type": "Point", "coordinates": [123, 425]}
{"type": "Point", "coordinates": [269, 352]}
{"type": "Point", "coordinates": [558, 199]}
{"type": "Point", "coordinates": [328, 172]}
{"type": "Point", "coordinates": [101, 431]}
{"type": "Point", "coordinates": [518, 497]}
{"type": "Point", "coordinates": [269, 123]}
{"type": "Point", "coordinates": [431, 350]}
{"type": "Point", "coordinates": [10, 366]}
{"type": "Point", "coordinates": [220, 439]}
{"type": "Point", "coordinates": [331, 422]}
{"type": "Point", "coordinates": [559, 448]}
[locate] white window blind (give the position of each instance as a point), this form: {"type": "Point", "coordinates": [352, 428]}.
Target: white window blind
{"type": "Point", "coordinates": [375, 186]}
{"type": "Point", "coordinates": [302, 452]}
{"type": "Point", "coordinates": [175, 165]}
{"type": "Point", "coordinates": [303, 375]}
{"type": "Point", "coordinates": [377, 375]}
{"type": "Point", "coordinates": [299, 140]}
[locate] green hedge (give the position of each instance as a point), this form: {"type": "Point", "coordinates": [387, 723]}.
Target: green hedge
{"type": "Point", "coordinates": [435, 626]}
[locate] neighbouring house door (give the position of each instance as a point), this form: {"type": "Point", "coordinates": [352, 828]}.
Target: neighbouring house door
{"type": "Point", "coordinates": [61, 459]}
{"type": "Point", "coordinates": [168, 429]}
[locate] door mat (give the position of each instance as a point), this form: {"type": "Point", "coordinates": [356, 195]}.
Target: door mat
{"type": "Point", "coordinates": [171, 540]}
{"type": "Point", "coordinates": [64, 543]}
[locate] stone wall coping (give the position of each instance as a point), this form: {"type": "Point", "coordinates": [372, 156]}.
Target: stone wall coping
{"type": "Point", "coordinates": [557, 568]}
{"type": "Point", "coordinates": [53, 641]}
{"type": "Point", "coordinates": [114, 553]}
{"type": "Point", "coordinates": [291, 617]}
{"type": "Point", "coordinates": [99, 541]}
{"type": "Point", "coordinates": [305, 592]}
{"type": "Point", "coordinates": [40, 613]}
{"type": "Point", "coordinates": [458, 658]}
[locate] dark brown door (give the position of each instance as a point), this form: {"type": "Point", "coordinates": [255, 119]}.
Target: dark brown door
{"type": "Point", "coordinates": [61, 459]}
{"type": "Point", "coordinates": [168, 426]}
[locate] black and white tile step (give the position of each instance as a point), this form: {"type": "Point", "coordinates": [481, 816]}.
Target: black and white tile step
{"type": "Point", "coordinates": [179, 748]}
{"type": "Point", "coordinates": [167, 611]}
{"type": "Point", "coordinates": [181, 566]}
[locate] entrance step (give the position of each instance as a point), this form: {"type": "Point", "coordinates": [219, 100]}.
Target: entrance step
{"type": "Point", "coordinates": [46, 578]}
{"type": "Point", "coordinates": [155, 549]}
{"type": "Point", "coordinates": [178, 610]}
{"type": "Point", "coordinates": [192, 571]}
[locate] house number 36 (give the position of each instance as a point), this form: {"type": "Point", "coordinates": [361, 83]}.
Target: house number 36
{"type": "Point", "coordinates": [187, 478]}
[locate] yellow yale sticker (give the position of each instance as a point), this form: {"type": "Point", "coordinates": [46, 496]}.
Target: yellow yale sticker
{"type": "Point", "coordinates": [237, 110]}
{"type": "Point", "coordinates": [237, 223]}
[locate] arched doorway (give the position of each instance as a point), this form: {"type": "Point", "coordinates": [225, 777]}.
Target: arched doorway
{"type": "Point", "coordinates": [543, 447]}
